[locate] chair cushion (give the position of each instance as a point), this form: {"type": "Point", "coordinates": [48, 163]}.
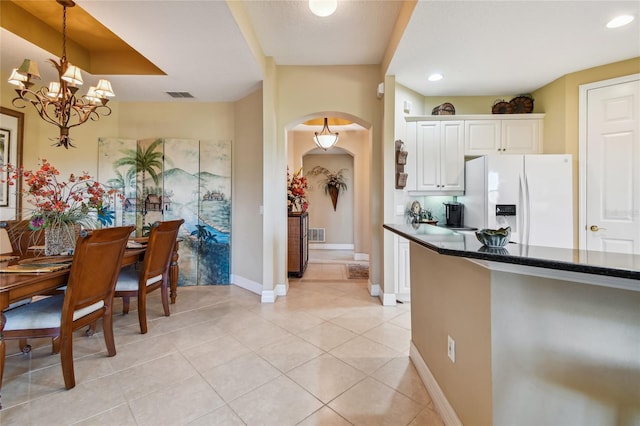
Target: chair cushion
{"type": "Point", "coordinates": [128, 280]}
{"type": "Point", "coordinates": [45, 313]}
{"type": "Point", "coordinates": [18, 303]}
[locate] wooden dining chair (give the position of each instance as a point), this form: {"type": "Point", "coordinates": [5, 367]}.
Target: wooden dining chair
{"type": "Point", "coordinates": [88, 297]}
{"type": "Point", "coordinates": [22, 237]}
{"type": "Point", "coordinates": [153, 273]}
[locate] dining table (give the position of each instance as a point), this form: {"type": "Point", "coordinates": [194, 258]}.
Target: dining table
{"type": "Point", "coordinates": [18, 286]}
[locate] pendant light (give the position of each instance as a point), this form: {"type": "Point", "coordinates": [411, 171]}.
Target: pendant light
{"type": "Point", "coordinates": [326, 138]}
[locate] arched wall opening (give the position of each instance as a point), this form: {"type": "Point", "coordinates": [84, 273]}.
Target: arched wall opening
{"type": "Point", "coordinates": [352, 151]}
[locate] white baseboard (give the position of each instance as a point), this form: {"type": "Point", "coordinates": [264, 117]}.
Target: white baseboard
{"type": "Point", "coordinates": [281, 289]}
{"type": "Point", "coordinates": [446, 411]}
{"type": "Point", "coordinates": [314, 246]}
{"type": "Point", "coordinates": [361, 256]}
{"type": "Point", "coordinates": [388, 299]}
{"type": "Point", "coordinates": [247, 284]}
{"type": "Point", "coordinates": [268, 296]}
{"type": "Point", "coordinates": [374, 289]}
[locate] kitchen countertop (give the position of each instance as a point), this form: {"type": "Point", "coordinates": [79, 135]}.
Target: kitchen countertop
{"type": "Point", "coordinates": [465, 244]}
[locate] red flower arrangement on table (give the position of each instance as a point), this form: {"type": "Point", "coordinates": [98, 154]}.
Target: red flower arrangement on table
{"type": "Point", "coordinates": [296, 189]}
{"type": "Point", "coordinates": [61, 203]}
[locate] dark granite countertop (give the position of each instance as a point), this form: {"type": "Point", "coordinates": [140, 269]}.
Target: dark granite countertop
{"type": "Point", "coordinates": [465, 244]}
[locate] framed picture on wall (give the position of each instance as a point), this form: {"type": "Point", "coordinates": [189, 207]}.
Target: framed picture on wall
{"type": "Point", "coordinates": [11, 139]}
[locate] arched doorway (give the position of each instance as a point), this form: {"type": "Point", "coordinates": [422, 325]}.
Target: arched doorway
{"type": "Point", "coordinates": [352, 152]}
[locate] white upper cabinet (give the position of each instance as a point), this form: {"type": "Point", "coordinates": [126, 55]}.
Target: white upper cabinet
{"type": "Point", "coordinates": [440, 156]}
{"type": "Point", "coordinates": [516, 134]}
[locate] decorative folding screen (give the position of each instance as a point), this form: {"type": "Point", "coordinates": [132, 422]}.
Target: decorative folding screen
{"type": "Point", "coordinates": [164, 179]}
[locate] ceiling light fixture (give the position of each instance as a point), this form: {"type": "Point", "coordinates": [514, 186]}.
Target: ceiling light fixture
{"type": "Point", "coordinates": [620, 21]}
{"type": "Point", "coordinates": [57, 104]}
{"type": "Point", "coordinates": [326, 138]}
{"type": "Point", "coordinates": [435, 77]}
{"type": "Point", "coordinates": [323, 8]}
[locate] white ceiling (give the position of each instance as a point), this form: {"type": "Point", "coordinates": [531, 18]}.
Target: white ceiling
{"type": "Point", "coordinates": [482, 47]}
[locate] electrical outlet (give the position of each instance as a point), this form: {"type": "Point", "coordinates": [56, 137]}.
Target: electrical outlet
{"type": "Point", "coordinates": [451, 349]}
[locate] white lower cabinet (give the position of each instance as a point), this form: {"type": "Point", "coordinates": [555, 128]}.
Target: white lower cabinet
{"type": "Point", "coordinates": [403, 273]}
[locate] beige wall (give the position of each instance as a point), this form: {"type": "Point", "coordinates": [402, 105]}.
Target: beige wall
{"type": "Point", "coordinates": [246, 219]}
{"type": "Point", "coordinates": [451, 296]}
{"type": "Point", "coordinates": [339, 223]}
{"type": "Point", "coordinates": [340, 91]}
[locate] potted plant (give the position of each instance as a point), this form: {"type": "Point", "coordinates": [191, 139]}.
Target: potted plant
{"type": "Point", "coordinates": [334, 182]}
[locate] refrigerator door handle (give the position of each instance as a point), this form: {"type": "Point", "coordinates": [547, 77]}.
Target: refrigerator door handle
{"type": "Point", "coordinates": [527, 212]}
{"type": "Point", "coordinates": [521, 211]}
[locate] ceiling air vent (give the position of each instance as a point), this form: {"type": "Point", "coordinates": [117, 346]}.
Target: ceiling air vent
{"type": "Point", "coordinates": [180, 94]}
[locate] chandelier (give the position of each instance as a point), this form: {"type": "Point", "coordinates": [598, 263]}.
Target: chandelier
{"type": "Point", "coordinates": [58, 104]}
{"type": "Point", "coordinates": [326, 138]}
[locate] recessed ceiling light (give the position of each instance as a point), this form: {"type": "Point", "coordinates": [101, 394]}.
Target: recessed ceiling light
{"type": "Point", "coordinates": [323, 8]}
{"type": "Point", "coordinates": [435, 77]}
{"type": "Point", "coordinates": [620, 21]}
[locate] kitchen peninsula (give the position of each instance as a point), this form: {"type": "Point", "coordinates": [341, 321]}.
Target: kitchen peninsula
{"type": "Point", "coordinates": [542, 335]}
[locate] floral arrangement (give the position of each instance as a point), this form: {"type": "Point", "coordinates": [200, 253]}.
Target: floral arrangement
{"type": "Point", "coordinates": [58, 202]}
{"type": "Point", "coordinates": [296, 189]}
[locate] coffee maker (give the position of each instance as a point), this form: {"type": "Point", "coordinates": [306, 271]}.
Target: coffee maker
{"type": "Point", "coordinates": [453, 212]}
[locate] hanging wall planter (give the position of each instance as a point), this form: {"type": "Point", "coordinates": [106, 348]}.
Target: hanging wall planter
{"type": "Point", "coordinates": [333, 193]}
{"type": "Point", "coordinates": [333, 184]}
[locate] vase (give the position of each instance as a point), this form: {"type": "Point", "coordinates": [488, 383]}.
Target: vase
{"type": "Point", "coordinates": [60, 239]}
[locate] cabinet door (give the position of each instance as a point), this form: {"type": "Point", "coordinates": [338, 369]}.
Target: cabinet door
{"type": "Point", "coordinates": [452, 156]}
{"type": "Point", "coordinates": [428, 156]}
{"type": "Point", "coordinates": [521, 136]}
{"type": "Point", "coordinates": [481, 137]}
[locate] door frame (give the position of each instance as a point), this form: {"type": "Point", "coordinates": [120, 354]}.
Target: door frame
{"type": "Point", "coordinates": [582, 149]}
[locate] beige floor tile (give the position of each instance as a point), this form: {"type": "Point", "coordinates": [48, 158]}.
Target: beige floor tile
{"type": "Point", "coordinates": [221, 416]}
{"type": "Point", "coordinates": [427, 417]}
{"type": "Point", "coordinates": [84, 401]}
{"type": "Point", "coordinates": [120, 415]}
{"type": "Point", "coordinates": [393, 336]}
{"type": "Point", "coordinates": [289, 353]}
{"type": "Point", "coordinates": [327, 336]}
{"type": "Point", "coordinates": [260, 333]}
{"type": "Point", "coordinates": [326, 377]}
{"type": "Point", "coordinates": [403, 320]}
{"type": "Point", "coordinates": [372, 403]}
{"type": "Point", "coordinates": [221, 344]}
{"type": "Point", "coordinates": [324, 417]}
{"type": "Point", "coordinates": [401, 375]}
{"type": "Point", "coordinates": [364, 354]}
{"type": "Point", "coordinates": [280, 402]}
{"type": "Point", "coordinates": [176, 404]}
{"type": "Point", "coordinates": [240, 376]}
{"type": "Point", "coordinates": [154, 375]}
{"type": "Point", "coordinates": [214, 353]}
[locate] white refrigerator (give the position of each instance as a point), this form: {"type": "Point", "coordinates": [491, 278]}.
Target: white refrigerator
{"type": "Point", "coordinates": [533, 194]}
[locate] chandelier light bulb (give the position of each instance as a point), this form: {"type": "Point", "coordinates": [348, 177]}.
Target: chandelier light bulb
{"type": "Point", "coordinates": [323, 8]}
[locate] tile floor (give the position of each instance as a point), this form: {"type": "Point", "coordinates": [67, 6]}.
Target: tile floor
{"type": "Point", "coordinates": [326, 354]}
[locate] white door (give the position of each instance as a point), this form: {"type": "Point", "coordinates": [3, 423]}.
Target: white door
{"type": "Point", "coordinates": [612, 173]}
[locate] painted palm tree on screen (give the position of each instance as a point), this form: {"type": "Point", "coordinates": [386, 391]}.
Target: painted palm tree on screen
{"type": "Point", "coordinates": [143, 161]}
{"type": "Point", "coordinates": [122, 183]}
